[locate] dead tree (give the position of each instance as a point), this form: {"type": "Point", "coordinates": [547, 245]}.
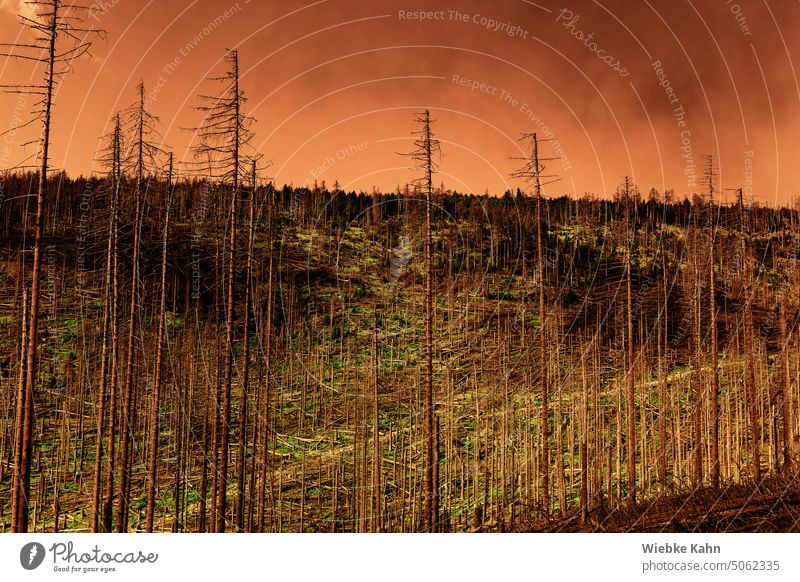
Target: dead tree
{"type": "Point", "coordinates": [52, 23]}
{"type": "Point", "coordinates": [142, 159]}
{"type": "Point", "coordinates": [376, 436]}
{"type": "Point", "coordinates": [152, 468]}
{"type": "Point", "coordinates": [532, 172]}
{"type": "Point", "coordinates": [712, 306]}
{"type": "Point", "coordinates": [426, 146]}
{"type": "Point", "coordinates": [786, 405]}
{"type": "Point", "coordinates": [223, 137]}
{"type": "Point", "coordinates": [630, 400]}
{"type": "Point", "coordinates": [267, 338]}
{"type": "Point", "coordinates": [240, 484]}
{"type": "Point", "coordinates": [112, 159]}
{"type": "Point", "coordinates": [663, 370]}
{"type": "Point", "coordinates": [111, 430]}
{"type": "Point", "coordinates": [752, 399]}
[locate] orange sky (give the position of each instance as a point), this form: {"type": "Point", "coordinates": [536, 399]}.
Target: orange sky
{"type": "Point", "coordinates": [334, 85]}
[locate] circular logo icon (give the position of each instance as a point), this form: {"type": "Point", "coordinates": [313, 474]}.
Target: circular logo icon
{"type": "Point", "coordinates": [31, 555]}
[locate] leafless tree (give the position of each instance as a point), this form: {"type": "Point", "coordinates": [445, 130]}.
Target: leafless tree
{"type": "Point", "coordinates": [425, 148]}
{"type": "Point", "coordinates": [223, 138]}
{"type": "Point", "coordinates": [54, 24]}
{"type": "Point", "coordinates": [152, 468]}
{"type": "Point", "coordinates": [112, 160]}
{"type": "Point", "coordinates": [142, 160]}
{"type": "Point", "coordinates": [532, 172]}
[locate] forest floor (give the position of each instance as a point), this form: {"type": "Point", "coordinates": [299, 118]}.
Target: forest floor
{"type": "Point", "coordinates": [772, 507]}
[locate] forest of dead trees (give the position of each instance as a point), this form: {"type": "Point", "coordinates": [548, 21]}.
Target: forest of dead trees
{"type": "Point", "coordinates": [324, 394]}
{"type": "Point", "coordinates": [196, 349]}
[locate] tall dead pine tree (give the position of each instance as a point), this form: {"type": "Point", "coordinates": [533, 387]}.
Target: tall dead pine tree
{"type": "Point", "coordinates": [52, 22]}
{"type": "Point", "coordinates": [111, 423]}
{"type": "Point", "coordinates": [425, 148]}
{"type": "Point", "coordinates": [786, 405]}
{"type": "Point", "coordinates": [532, 172]}
{"type": "Point", "coordinates": [663, 368]}
{"type": "Point", "coordinates": [152, 464]}
{"type": "Point", "coordinates": [712, 307]}
{"type": "Point", "coordinates": [241, 470]}
{"type": "Point", "coordinates": [112, 159]}
{"type": "Point", "coordinates": [224, 135]}
{"type": "Point", "coordinates": [630, 400]}
{"type": "Point", "coordinates": [142, 159]}
{"type": "Point", "coordinates": [267, 339]}
{"type": "Point", "coordinates": [750, 387]}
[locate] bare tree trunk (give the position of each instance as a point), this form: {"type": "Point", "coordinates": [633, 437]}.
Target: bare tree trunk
{"type": "Point", "coordinates": [97, 513]}
{"type": "Point", "coordinates": [630, 437]}
{"type": "Point", "coordinates": [542, 352]}
{"type": "Point", "coordinates": [222, 468]}
{"type": "Point", "coordinates": [240, 485]}
{"type": "Point", "coordinates": [19, 411]}
{"type": "Point", "coordinates": [750, 388]}
{"type": "Point", "coordinates": [128, 410]}
{"type": "Point", "coordinates": [788, 437]}
{"type": "Point", "coordinates": [698, 402]}
{"type": "Point", "coordinates": [714, 366]}
{"type": "Point", "coordinates": [376, 438]}
{"type": "Point", "coordinates": [21, 496]}
{"type": "Point", "coordinates": [262, 505]}
{"type": "Point", "coordinates": [426, 147]}
{"type": "Point", "coordinates": [127, 396]}
{"type": "Point", "coordinates": [222, 477]}
{"type": "Point", "coordinates": [584, 485]}
{"type": "Point", "coordinates": [112, 395]}
{"type": "Point", "coordinates": [749, 349]}
{"type": "Point", "coordinates": [662, 381]}
{"type": "Point", "coordinates": [216, 427]}
{"type": "Point", "coordinates": [203, 511]}
{"type": "Point", "coordinates": [152, 469]}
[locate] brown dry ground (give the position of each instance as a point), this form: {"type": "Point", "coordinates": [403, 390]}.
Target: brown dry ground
{"type": "Point", "coordinates": [771, 507]}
